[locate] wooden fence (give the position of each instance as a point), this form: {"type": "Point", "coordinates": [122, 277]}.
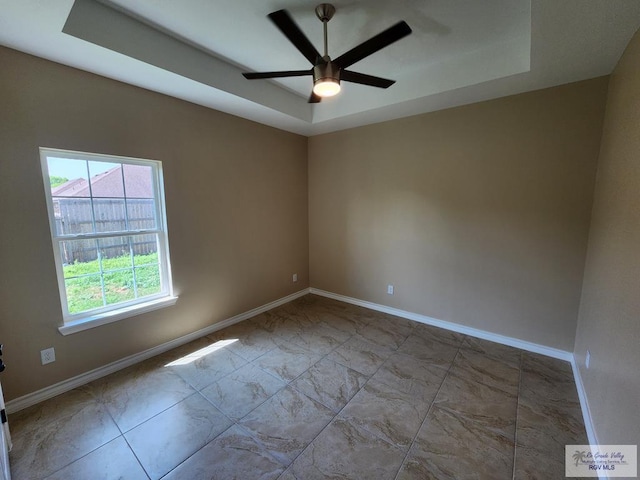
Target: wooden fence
{"type": "Point", "coordinates": [75, 216]}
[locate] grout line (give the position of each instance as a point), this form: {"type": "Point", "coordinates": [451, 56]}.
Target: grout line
{"type": "Point", "coordinates": [335, 415]}
{"type": "Point", "coordinates": [103, 407]}
{"type": "Point", "coordinates": [424, 420]}
{"type": "Point", "coordinates": [133, 452]}
{"type": "Point", "coordinates": [288, 383]}
{"type": "Point", "coordinates": [515, 432]}
{"type": "Point", "coordinates": [363, 427]}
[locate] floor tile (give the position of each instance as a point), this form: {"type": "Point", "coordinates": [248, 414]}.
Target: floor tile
{"type": "Point", "coordinates": [399, 324]}
{"type": "Point", "coordinates": [387, 413]}
{"type": "Point", "coordinates": [330, 383]}
{"type": "Point", "coordinates": [549, 413]}
{"type": "Point", "coordinates": [553, 368]}
{"type": "Point", "coordinates": [52, 444]}
{"type": "Point", "coordinates": [234, 455]}
{"type": "Point", "coordinates": [277, 324]}
{"type": "Point", "coordinates": [246, 340]}
{"type": "Point", "coordinates": [204, 366]}
{"type": "Point", "coordinates": [410, 375]}
{"type": "Point", "coordinates": [492, 408]}
{"type": "Point", "coordinates": [132, 396]}
{"type": "Point", "coordinates": [287, 475]}
{"type": "Point", "coordinates": [492, 349]}
{"type": "Point", "coordinates": [319, 339]}
{"type": "Point", "coordinates": [532, 464]}
{"type": "Point", "coordinates": [61, 406]}
{"type": "Point", "coordinates": [547, 379]}
{"type": "Point", "coordinates": [343, 323]}
{"type": "Point", "coordinates": [431, 350]}
{"type": "Point", "coordinates": [243, 390]}
{"type": "Point", "coordinates": [287, 361]}
{"type": "Point", "coordinates": [487, 372]}
{"type": "Point", "coordinates": [451, 446]}
{"type": "Point", "coordinates": [113, 460]}
{"type": "Point", "coordinates": [360, 355]}
{"type": "Point", "coordinates": [170, 437]}
{"type": "Point", "coordinates": [286, 423]}
{"type": "Point", "coordinates": [482, 389]}
{"type": "Point", "coordinates": [299, 314]}
{"type": "Point", "coordinates": [331, 310]}
{"type": "Point", "coordinates": [548, 427]}
{"type": "Point", "coordinates": [431, 333]}
{"type": "Point", "coordinates": [344, 450]}
{"type": "Point", "coordinates": [180, 354]}
{"type": "Point", "coordinates": [384, 333]}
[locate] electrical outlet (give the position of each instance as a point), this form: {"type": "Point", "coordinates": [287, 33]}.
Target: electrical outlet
{"type": "Point", "coordinates": [48, 356]}
{"type": "Point", "coordinates": [587, 359]}
{"type": "Point", "coordinates": [390, 289]}
{"type": "Point", "coordinates": [295, 277]}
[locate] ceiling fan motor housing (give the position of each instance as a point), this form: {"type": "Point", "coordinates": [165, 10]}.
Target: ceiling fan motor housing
{"type": "Point", "coordinates": [323, 72]}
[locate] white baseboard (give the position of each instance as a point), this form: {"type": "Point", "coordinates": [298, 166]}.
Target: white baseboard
{"type": "Point", "coordinates": [455, 327]}
{"type": "Point", "coordinates": [25, 401]}
{"type": "Point", "coordinates": [586, 411]}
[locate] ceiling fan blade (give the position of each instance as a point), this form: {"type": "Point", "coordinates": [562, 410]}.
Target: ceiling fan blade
{"type": "Point", "coordinates": [364, 79]}
{"type": "Point", "coordinates": [287, 73]}
{"type": "Point", "coordinates": [288, 27]}
{"type": "Point", "coordinates": [315, 98]}
{"type": "Point", "coordinates": [383, 39]}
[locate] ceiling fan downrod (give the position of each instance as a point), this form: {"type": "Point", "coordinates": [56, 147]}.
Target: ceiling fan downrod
{"type": "Point", "coordinates": [325, 12]}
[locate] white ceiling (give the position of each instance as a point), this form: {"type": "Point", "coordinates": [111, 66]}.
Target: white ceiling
{"type": "Point", "coordinates": [461, 51]}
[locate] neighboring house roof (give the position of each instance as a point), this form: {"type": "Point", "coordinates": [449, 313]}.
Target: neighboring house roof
{"type": "Point", "coordinates": [69, 188]}
{"type": "Point", "coordinates": [137, 181]}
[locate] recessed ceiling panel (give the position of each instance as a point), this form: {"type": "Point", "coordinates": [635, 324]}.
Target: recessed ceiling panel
{"type": "Point", "coordinates": [460, 51]}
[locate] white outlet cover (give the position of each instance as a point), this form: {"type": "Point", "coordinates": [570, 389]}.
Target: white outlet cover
{"type": "Point", "coordinates": [295, 277]}
{"type": "Point", "coordinates": [587, 359]}
{"type": "Point", "coordinates": [48, 356]}
{"type": "Point", "coordinates": [390, 289]}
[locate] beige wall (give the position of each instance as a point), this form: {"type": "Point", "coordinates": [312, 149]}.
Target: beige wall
{"type": "Point", "coordinates": [609, 321]}
{"type": "Point", "coordinates": [236, 196]}
{"type": "Point", "coordinates": [478, 215]}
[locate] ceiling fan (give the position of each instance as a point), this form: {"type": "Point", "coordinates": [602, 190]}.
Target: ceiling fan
{"type": "Point", "coordinates": [328, 73]}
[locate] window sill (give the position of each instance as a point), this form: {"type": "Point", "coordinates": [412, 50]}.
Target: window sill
{"type": "Point", "coordinates": [104, 318]}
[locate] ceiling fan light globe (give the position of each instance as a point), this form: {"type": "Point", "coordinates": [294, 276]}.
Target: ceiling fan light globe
{"type": "Point", "coordinates": [326, 87]}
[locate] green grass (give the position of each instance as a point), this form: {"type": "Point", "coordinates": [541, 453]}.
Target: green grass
{"type": "Point", "coordinates": [85, 293]}
{"type": "Point", "coordinates": [57, 181]}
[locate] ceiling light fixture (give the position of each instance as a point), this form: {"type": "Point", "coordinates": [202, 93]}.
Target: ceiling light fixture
{"type": "Point", "coordinates": [326, 79]}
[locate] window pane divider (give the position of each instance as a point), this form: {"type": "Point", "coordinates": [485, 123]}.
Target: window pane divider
{"type": "Point", "coordinates": [119, 233]}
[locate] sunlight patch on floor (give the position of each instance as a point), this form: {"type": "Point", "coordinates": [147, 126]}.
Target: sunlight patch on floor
{"type": "Point", "coordinates": [192, 357]}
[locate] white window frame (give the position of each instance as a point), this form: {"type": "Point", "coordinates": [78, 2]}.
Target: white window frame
{"type": "Point", "coordinates": [110, 313]}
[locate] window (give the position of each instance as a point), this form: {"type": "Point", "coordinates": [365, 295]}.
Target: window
{"type": "Point", "coordinates": [108, 228]}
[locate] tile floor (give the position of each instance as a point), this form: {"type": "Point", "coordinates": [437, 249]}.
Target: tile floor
{"type": "Point", "coordinates": [313, 389]}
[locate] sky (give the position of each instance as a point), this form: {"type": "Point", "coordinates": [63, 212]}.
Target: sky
{"type": "Point", "coordinates": [70, 169]}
